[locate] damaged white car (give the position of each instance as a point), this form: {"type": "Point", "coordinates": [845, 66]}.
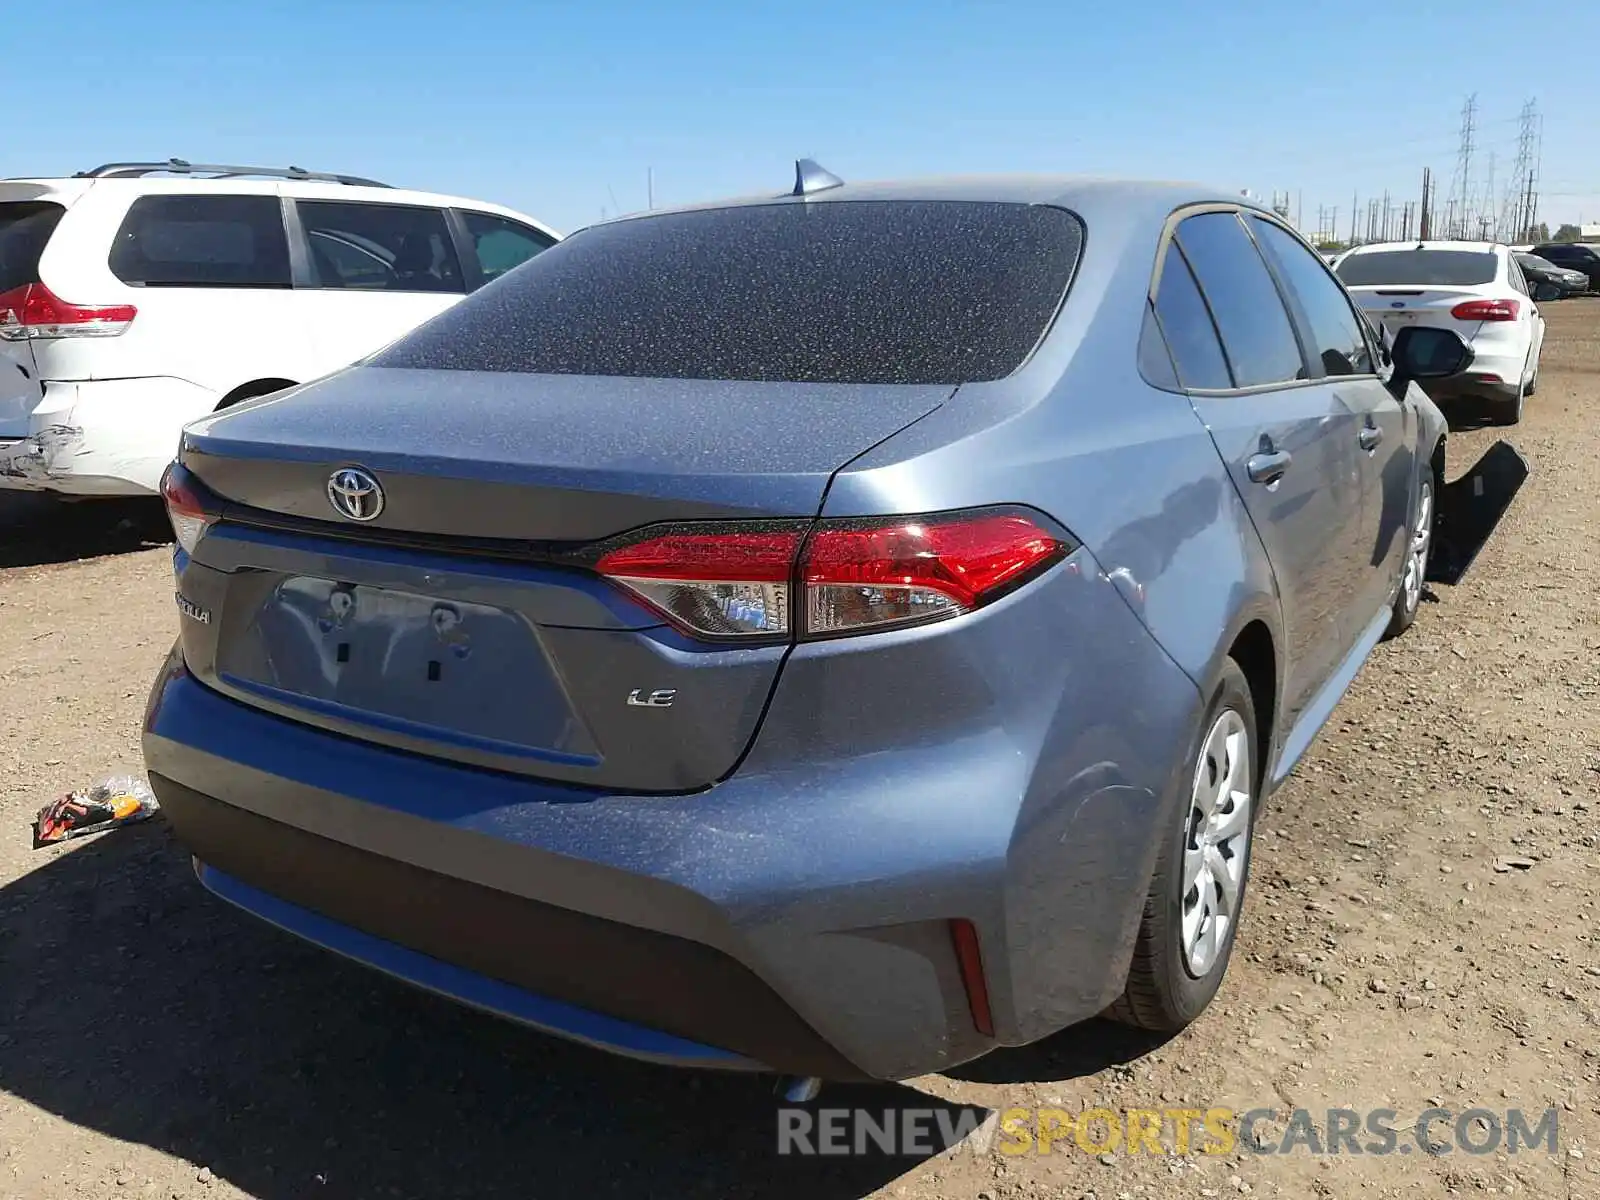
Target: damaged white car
{"type": "Point", "coordinates": [138, 297]}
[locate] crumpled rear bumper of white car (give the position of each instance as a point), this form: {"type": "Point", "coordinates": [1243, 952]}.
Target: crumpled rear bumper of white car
{"type": "Point", "coordinates": [104, 437]}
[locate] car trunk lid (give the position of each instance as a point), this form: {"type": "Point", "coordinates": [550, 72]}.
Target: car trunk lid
{"type": "Point", "coordinates": [547, 457]}
{"type": "Point", "coordinates": [1398, 306]}
{"type": "Point", "coordinates": [453, 623]}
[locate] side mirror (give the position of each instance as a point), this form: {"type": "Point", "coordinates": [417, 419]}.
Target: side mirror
{"type": "Point", "coordinates": [1421, 352]}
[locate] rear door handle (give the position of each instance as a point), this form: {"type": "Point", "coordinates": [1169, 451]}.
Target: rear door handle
{"type": "Point", "coordinates": [1268, 467]}
{"type": "Point", "coordinates": [1369, 437]}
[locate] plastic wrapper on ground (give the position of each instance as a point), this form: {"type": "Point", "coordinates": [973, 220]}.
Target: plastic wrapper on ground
{"type": "Point", "coordinates": [109, 804]}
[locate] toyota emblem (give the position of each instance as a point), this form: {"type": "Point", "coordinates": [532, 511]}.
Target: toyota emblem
{"type": "Point", "coordinates": [355, 492]}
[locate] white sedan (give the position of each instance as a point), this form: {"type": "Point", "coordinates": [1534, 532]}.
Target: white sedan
{"type": "Point", "coordinates": [1474, 288]}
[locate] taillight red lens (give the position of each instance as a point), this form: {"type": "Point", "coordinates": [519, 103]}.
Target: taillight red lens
{"type": "Point", "coordinates": [34, 311]}
{"type": "Point", "coordinates": [723, 584]}
{"type": "Point", "coordinates": [185, 509]}
{"type": "Point", "coordinates": [1486, 310]}
{"type": "Point", "coordinates": [855, 576]}
{"type": "Point", "coordinates": [897, 574]}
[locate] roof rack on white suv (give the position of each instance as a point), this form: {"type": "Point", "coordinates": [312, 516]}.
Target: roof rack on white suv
{"type": "Point", "coordinates": [179, 166]}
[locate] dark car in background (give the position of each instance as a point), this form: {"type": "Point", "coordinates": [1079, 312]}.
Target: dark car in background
{"type": "Point", "coordinates": [1550, 282]}
{"type": "Point", "coordinates": [1575, 256]}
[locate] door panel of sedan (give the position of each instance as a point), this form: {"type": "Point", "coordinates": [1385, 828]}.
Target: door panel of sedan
{"type": "Point", "coordinates": [1386, 436]}
{"type": "Point", "coordinates": [1289, 439]}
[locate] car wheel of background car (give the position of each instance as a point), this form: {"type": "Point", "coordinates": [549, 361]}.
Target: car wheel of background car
{"type": "Point", "coordinates": [1192, 912]}
{"type": "Point", "coordinates": [1409, 598]}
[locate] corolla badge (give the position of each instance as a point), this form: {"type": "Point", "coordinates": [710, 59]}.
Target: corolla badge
{"type": "Point", "coordinates": [192, 610]}
{"type": "Point", "coordinates": [356, 493]}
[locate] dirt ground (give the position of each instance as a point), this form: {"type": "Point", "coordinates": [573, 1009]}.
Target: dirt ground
{"type": "Point", "coordinates": [155, 1043]}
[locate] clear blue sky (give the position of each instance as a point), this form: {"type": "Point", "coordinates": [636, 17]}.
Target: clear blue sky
{"type": "Point", "coordinates": [560, 109]}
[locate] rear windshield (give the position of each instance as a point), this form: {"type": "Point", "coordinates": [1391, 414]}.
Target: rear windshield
{"type": "Point", "coordinates": [25, 226]}
{"type": "Point", "coordinates": [911, 292]}
{"type": "Point", "coordinates": [1425, 268]}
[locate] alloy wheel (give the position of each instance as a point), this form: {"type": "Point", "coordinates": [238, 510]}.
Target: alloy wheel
{"type": "Point", "coordinates": [1421, 543]}
{"type": "Point", "coordinates": [1216, 844]}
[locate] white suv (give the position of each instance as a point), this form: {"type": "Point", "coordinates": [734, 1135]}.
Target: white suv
{"type": "Point", "coordinates": [138, 297]}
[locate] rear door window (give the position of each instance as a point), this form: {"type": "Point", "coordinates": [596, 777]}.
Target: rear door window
{"type": "Point", "coordinates": [1186, 325]}
{"type": "Point", "coordinates": [1243, 299]}
{"type": "Point", "coordinates": [379, 247]}
{"type": "Point", "coordinates": [863, 291]}
{"type": "Point", "coordinates": [25, 227]}
{"type": "Point", "coordinates": [501, 243]}
{"type": "Point", "coordinates": [202, 241]}
{"type": "Point", "coordinates": [1331, 329]}
{"type": "Point", "coordinates": [1419, 268]}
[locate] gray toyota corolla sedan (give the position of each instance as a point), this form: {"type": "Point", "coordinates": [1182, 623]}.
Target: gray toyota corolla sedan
{"type": "Point", "coordinates": [836, 633]}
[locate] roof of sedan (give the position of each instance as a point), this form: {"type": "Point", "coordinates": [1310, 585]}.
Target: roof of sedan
{"type": "Point", "coordinates": [1081, 193]}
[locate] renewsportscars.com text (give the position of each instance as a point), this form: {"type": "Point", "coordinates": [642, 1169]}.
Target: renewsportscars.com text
{"type": "Point", "coordinates": [1164, 1131]}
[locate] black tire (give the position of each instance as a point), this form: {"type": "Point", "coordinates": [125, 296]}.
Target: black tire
{"type": "Point", "coordinates": [1408, 603]}
{"type": "Point", "coordinates": [1162, 994]}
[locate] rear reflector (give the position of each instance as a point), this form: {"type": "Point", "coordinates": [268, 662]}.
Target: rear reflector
{"type": "Point", "coordinates": [34, 311]}
{"type": "Point", "coordinates": [964, 935]}
{"type": "Point", "coordinates": [1486, 310]}
{"type": "Point", "coordinates": [854, 576]}
{"type": "Point", "coordinates": [185, 509]}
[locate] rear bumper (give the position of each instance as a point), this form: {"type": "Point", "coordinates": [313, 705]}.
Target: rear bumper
{"type": "Point", "coordinates": [793, 917]}
{"type": "Point", "coordinates": [1471, 385]}
{"type": "Point", "coordinates": [107, 437]}
{"type": "Point", "coordinates": [490, 949]}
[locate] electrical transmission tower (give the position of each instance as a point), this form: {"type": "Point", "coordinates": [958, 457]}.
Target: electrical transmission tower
{"type": "Point", "coordinates": [1486, 215]}
{"type": "Point", "coordinates": [1461, 186]}
{"type": "Point", "coordinates": [1515, 217]}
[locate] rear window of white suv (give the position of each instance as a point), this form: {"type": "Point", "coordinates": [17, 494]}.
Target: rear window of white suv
{"type": "Point", "coordinates": [25, 227]}
{"type": "Point", "coordinates": [202, 241]}
{"type": "Point", "coordinates": [1418, 268]}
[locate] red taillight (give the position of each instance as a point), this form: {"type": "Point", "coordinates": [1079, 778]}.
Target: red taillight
{"type": "Point", "coordinates": [34, 311]}
{"type": "Point", "coordinates": [854, 576]}
{"type": "Point", "coordinates": [880, 575]}
{"type": "Point", "coordinates": [185, 509]}
{"type": "Point", "coordinates": [715, 584]}
{"type": "Point", "coordinates": [970, 960]}
{"type": "Point", "coordinates": [1486, 310]}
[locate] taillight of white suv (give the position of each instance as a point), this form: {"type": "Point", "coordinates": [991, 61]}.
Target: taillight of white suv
{"type": "Point", "coordinates": [33, 311]}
